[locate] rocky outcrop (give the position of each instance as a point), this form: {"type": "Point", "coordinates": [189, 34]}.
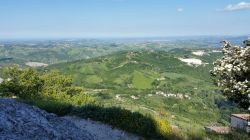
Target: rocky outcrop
{"type": "Point", "coordinates": [101, 131]}
{"type": "Point", "coordinates": [23, 122]}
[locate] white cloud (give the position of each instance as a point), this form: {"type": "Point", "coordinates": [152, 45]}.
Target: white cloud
{"type": "Point", "coordinates": [180, 10]}
{"type": "Point", "coordinates": [236, 7]}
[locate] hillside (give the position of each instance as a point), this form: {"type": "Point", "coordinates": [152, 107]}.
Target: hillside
{"type": "Point", "coordinates": [138, 70]}
{"type": "Point", "coordinates": [159, 79]}
{"type": "Point", "coordinates": [20, 121]}
{"type": "Point", "coordinates": [161, 83]}
{"type": "Point", "coordinates": [66, 50]}
{"type": "Point", "coordinates": [124, 70]}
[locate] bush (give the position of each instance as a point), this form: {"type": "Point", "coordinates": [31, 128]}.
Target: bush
{"type": "Point", "coordinates": [163, 127]}
{"type": "Point", "coordinates": [232, 73]}
{"type": "Point", "coordinates": [60, 104]}
{"type": "Point", "coordinates": [52, 106]}
{"type": "Point", "coordinates": [55, 94]}
{"type": "Point", "coordinates": [22, 83]}
{"type": "Point", "coordinates": [133, 122]}
{"type": "Point", "coordinates": [50, 91]}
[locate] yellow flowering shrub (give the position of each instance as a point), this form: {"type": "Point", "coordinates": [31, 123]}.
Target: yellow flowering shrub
{"type": "Point", "coordinates": [163, 127]}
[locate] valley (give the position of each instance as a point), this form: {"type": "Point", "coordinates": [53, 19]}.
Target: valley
{"type": "Point", "coordinates": [153, 82]}
{"type": "Point", "coordinates": [125, 69]}
{"type": "Point", "coordinates": [172, 83]}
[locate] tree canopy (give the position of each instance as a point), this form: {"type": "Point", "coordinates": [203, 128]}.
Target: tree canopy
{"type": "Point", "coordinates": [30, 84]}
{"type": "Point", "coordinates": [232, 73]}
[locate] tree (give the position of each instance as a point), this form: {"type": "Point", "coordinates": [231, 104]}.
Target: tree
{"type": "Point", "coordinates": [29, 84]}
{"type": "Point", "coordinates": [232, 73]}
{"type": "Point", "coordinates": [55, 83]}
{"type": "Point", "coordinates": [23, 83]}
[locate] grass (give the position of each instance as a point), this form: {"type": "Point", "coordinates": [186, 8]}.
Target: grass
{"type": "Point", "coordinates": [134, 122]}
{"type": "Point", "coordinates": [234, 135]}
{"type": "Point", "coordinates": [115, 71]}
{"type": "Point", "coordinates": [144, 125]}
{"type": "Point", "coordinates": [122, 76]}
{"type": "Point", "coordinates": [93, 79]}
{"type": "Point", "coordinates": [142, 81]}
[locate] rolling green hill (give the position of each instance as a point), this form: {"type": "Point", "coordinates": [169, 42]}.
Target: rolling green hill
{"type": "Point", "coordinates": [154, 82]}
{"type": "Point", "coordinates": [65, 50]}
{"type": "Point", "coordinates": [167, 78]}
{"type": "Point", "coordinates": [137, 69]}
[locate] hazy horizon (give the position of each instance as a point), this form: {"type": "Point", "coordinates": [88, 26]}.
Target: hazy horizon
{"type": "Point", "coordinates": [45, 19]}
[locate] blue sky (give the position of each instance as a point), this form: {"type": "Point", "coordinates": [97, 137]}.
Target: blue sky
{"type": "Point", "coordinates": [122, 18]}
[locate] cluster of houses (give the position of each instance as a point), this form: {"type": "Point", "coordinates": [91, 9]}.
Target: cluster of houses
{"type": "Point", "coordinates": [238, 121]}
{"type": "Point", "coordinates": [179, 95]}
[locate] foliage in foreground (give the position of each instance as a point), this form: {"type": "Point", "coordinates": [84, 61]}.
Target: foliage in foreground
{"type": "Point", "coordinates": [50, 91]}
{"type": "Point", "coordinates": [233, 73]}
{"type": "Point", "coordinates": [54, 93]}
{"type": "Point", "coordinates": [133, 122]}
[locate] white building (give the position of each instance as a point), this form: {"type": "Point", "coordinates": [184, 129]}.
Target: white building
{"type": "Point", "coordinates": [241, 121]}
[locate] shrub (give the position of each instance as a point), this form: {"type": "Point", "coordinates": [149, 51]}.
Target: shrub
{"type": "Point", "coordinates": [22, 83]}
{"type": "Point", "coordinates": [133, 122]}
{"type": "Point", "coordinates": [54, 93]}
{"type": "Point", "coordinates": [52, 106]}
{"type": "Point", "coordinates": [60, 104]}
{"type": "Point", "coordinates": [50, 91]}
{"type": "Point", "coordinates": [163, 127]}
{"type": "Point", "coordinates": [232, 73]}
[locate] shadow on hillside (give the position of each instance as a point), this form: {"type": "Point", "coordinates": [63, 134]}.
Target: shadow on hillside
{"type": "Point", "coordinates": [52, 106]}
{"type": "Point", "coordinates": [133, 122]}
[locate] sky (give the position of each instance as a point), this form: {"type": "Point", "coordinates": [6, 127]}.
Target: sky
{"type": "Point", "coordinates": [122, 18]}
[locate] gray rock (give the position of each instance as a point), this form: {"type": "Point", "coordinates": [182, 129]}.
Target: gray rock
{"type": "Point", "coordinates": [20, 121]}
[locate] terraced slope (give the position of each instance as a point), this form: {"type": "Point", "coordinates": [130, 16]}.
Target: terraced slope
{"type": "Point", "coordinates": [136, 70]}
{"type": "Point", "coordinates": [154, 82]}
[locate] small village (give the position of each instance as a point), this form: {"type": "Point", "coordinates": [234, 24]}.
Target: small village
{"type": "Point", "coordinates": [124, 70]}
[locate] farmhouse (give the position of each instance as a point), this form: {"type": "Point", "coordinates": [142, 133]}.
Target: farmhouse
{"type": "Point", "coordinates": [241, 121]}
